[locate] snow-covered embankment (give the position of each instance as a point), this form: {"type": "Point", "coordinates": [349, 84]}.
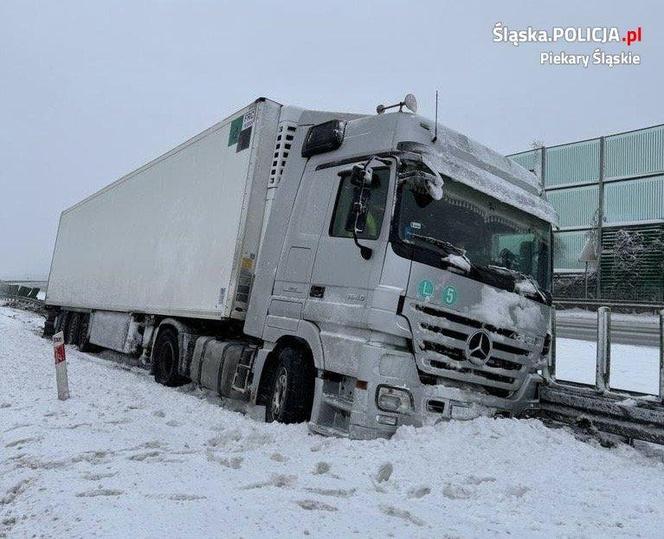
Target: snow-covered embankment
{"type": "Point", "coordinates": [125, 457]}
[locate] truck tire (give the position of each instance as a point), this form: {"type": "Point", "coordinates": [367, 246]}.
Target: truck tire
{"type": "Point", "coordinates": [73, 328]}
{"type": "Point", "coordinates": [83, 342]}
{"type": "Point", "coordinates": [292, 391]}
{"type": "Point", "coordinates": [60, 322]}
{"type": "Point", "coordinates": [165, 356]}
{"type": "Point", "coordinates": [50, 322]}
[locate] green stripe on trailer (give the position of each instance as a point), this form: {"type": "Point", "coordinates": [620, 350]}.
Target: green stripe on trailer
{"type": "Point", "coordinates": [236, 127]}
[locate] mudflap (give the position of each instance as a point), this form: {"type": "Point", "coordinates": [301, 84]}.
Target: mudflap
{"type": "Point", "coordinates": [633, 416]}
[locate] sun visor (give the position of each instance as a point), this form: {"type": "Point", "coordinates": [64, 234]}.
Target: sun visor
{"type": "Point", "coordinates": [485, 178]}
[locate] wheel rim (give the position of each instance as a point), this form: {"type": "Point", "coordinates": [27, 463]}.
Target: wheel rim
{"type": "Point", "coordinates": [279, 394]}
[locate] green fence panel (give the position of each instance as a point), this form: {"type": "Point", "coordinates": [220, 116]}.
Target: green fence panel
{"type": "Point", "coordinates": [638, 273]}
{"type": "Point", "coordinates": [634, 200]}
{"type": "Point", "coordinates": [572, 163]}
{"type": "Point", "coordinates": [635, 153]}
{"type": "Point", "coordinates": [567, 247]}
{"type": "Point", "coordinates": [527, 160]}
{"type": "Point", "coordinates": [576, 206]}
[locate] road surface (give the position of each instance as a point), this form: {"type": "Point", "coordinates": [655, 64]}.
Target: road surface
{"type": "Point", "coordinates": [625, 329]}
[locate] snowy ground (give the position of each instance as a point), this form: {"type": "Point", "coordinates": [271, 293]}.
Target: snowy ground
{"type": "Point", "coordinates": [635, 368]}
{"type": "Point", "coordinates": [125, 457]}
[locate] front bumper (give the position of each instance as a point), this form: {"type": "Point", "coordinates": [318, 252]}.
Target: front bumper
{"type": "Point", "coordinates": [431, 403]}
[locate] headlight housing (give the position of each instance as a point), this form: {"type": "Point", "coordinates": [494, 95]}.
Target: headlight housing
{"type": "Point", "coordinates": [394, 399]}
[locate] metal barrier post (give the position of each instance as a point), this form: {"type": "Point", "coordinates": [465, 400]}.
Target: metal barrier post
{"type": "Point", "coordinates": [661, 355]}
{"type": "Point", "coordinates": [61, 379]}
{"type": "Point", "coordinates": [603, 364]}
{"type": "Point", "coordinates": [552, 349]}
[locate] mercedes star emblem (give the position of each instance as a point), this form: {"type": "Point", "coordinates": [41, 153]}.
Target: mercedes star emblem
{"type": "Point", "coordinates": [478, 348]}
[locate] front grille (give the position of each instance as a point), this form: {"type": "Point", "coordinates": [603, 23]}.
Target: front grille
{"type": "Point", "coordinates": [454, 317]}
{"type": "Point", "coordinates": [440, 344]}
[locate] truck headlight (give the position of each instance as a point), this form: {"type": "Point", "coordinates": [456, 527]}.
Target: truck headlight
{"type": "Point", "coordinates": [394, 399]}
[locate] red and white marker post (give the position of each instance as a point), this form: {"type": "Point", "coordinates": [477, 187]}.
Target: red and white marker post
{"type": "Point", "coordinates": [60, 366]}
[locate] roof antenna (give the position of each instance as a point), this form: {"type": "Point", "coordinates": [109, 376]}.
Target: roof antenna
{"type": "Point", "coordinates": [435, 129]}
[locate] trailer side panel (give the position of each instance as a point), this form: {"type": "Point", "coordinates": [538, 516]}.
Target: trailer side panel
{"type": "Point", "coordinates": [167, 238]}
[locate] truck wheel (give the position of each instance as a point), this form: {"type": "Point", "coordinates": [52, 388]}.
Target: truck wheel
{"type": "Point", "coordinates": [165, 356]}
{"type": "Point", "coordinates": [83, 342]}
{"type": "Point", "coordinates": [292, 390]}
{"type": "Point", "coordinates": [50, 323]}
{"type": "Point", "coordinates": [60, 322]}
{"type": "Point", "coordinates": [73, 328]}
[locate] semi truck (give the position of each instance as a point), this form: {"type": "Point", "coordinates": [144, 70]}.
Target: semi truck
{"type": "Point", "coordinates": [356, 271]}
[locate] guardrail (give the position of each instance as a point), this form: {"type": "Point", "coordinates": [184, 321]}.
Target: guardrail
{"type": "Point", "coordinates": [616, 304]}
{"type": "Point", "coordinates": [626, 413]}
{"type": "Point", "coordinates": [24, 302]}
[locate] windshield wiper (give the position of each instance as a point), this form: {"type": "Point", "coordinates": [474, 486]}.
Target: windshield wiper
{"type": "Point", "coordinates": [455, 257]}
{"type": "Point", "coordinates": [498, 276]}
{"type": "Point", "coordinates": [446, 246]}
{"type": "Point", "coordinates": [537, 291]}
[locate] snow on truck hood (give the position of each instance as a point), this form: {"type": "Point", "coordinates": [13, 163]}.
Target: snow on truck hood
{"type": "Point", "coordinates": [476, 165]}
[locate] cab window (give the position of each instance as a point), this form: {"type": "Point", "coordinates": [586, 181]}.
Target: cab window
{"type": "Point", "coordinates": [374, 198]}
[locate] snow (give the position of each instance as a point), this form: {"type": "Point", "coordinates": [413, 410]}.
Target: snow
{"type": "Point", "coordinates": [525, 287]}
{"type": "Point", "coordinates": [125, 457]}
{"type": "Point", "coordinates": [635, 368]}
{"type": "Point", "coordinates": [458, 157]}
{"type": "Point", "coordinates": [458, 261]}
{"type": "Point", "coordinates": [505, 309]}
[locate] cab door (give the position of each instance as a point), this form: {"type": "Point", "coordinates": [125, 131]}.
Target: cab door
{"type": "Point", "coordinates": [342, 279]}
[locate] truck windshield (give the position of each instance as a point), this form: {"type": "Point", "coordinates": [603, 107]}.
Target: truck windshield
{"type": "Point", "coordinates": [477, 235]}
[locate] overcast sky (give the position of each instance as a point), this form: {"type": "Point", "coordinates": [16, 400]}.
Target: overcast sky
{"type": "Point", "coordinates": [91, 90]}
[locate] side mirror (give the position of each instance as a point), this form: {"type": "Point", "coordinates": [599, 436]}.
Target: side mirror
{"type": "Point", "coordinates": [362, 175]}
{"type": "Point", "coordinates": [359, 216]}
{"type": "Point", "coordinates": [424, 182]}
{"type": "Point", "coordinates": [360, 221]}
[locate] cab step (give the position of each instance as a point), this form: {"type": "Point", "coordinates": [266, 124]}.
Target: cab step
{"type": "Point", "coordinates": [244, 367]}
{"type": "Point", "coordinates": [333, 404]}
{"type": "Point", "coordinates": [328, 431]}
{"type": "Point", "coordinates": [339, 402]}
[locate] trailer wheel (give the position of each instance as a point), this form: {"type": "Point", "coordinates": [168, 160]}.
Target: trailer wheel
{"type": "Point", "coordinates": [292, 391]}
{"type": "Point", "coordinates": [73, 328]}
{"type": "Point", "coordinates": [165, 356]}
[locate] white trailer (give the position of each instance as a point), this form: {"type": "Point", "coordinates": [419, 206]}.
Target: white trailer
{"type": "Point", "coordinates": [180, 235]}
